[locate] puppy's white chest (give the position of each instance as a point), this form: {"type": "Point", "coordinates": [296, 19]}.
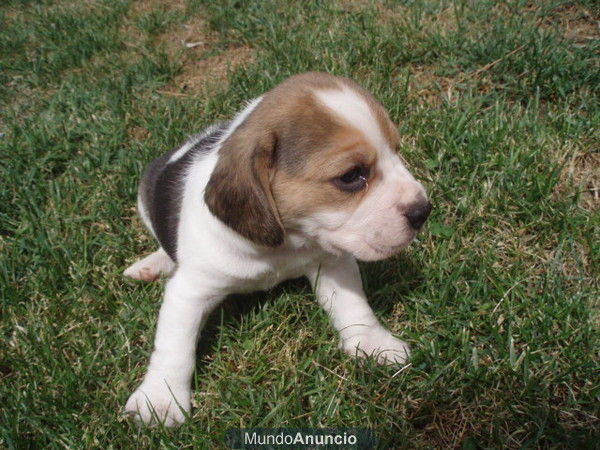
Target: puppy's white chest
{"type": "Point", "coordinates": [268, 272]}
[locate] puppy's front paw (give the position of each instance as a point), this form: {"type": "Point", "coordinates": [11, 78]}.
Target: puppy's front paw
{"type": "Point", "coordinates": [158, 402]}
{"type": "Point", "coordinates": [377, 342]}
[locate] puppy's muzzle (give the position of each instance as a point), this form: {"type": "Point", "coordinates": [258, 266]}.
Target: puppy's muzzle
{"type": "Point", "coordinates": [418, 213]}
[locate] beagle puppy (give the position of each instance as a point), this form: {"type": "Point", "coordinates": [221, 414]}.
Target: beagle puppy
{"type": "Point", "coordinates": [303, 181]}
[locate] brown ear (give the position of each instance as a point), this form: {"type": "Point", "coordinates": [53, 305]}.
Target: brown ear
{"type": "Point", "coordinates": [239, 191]}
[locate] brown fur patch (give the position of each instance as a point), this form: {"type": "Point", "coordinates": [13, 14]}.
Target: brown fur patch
{"type": "Point", "coordinates": [388, 128]}
{"type": "Point", "coordinates": [238, 192]}
{"type": "Point", "coordinates": [281, 161]}
{"type": "Point", "coordinates": [312, 189]}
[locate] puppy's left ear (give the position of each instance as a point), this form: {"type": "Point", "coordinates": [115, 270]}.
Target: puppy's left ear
{"type": "Point", "coordinates": [239, 190]}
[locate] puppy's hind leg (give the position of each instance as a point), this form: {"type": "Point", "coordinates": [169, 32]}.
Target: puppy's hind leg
{"type": "Point", "coordinates": [151, 267]}
{"type": "Point", "coordinates": [165, 394]}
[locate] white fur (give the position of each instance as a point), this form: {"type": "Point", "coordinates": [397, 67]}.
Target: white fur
{"type": "Point", "coordinates": [144, 215]}
{"type": "Point", "coordinates": [348, 104]}
{"type": "Point", "coordinates": [185, 148]}
{"type": "Point", "coordinates": [190, 143]}
{"type": "Point", "coordinates": [214, 261]}
{"type": "Point", "coordinates": [151, 267]}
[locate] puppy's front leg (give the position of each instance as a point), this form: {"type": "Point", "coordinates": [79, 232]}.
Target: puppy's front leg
{"type": "Point", "coordinates": [338, 288]}
{"type": "Point", "coordinates": [166, 392]}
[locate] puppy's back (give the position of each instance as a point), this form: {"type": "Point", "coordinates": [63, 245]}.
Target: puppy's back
{"type": "Point", "coordinates": [161, 187]}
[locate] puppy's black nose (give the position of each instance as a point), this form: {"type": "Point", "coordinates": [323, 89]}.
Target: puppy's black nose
{"type": "Point", "coordinates": [417, 215]}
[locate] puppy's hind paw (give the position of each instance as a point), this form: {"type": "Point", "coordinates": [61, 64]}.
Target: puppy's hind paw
{"type": "Point", "coordinates": [151, 267]}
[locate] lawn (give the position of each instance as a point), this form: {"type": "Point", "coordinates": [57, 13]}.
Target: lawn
{"type": "Point", "coordinates": [498, 105]}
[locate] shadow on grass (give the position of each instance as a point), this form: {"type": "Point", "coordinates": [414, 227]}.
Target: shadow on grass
{"type": "Point", "coordinates": [385, 282]}
{"type": "Point", "coordinates": [238, 305]}
{"type": "Point", "coordinates": [390, 281]}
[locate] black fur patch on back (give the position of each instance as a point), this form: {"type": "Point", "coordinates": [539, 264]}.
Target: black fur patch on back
{"type": "Point", "coordinates": [161, 189]}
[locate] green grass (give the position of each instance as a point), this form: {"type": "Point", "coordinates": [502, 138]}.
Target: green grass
{"type": "Point", "coordinates": [498, 104]}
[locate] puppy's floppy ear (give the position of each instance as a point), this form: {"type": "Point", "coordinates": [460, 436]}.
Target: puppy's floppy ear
{"type": "Point", "coordinates": [239, 189]}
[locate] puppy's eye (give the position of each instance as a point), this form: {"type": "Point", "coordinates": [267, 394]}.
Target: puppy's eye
{"type": "Point", "coordinates": [353, 180]}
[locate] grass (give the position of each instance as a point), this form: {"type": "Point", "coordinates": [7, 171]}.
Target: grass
{"type": "Point", "coordinates": [498, 104]}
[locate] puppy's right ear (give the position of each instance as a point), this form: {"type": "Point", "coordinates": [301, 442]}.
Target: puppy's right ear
{"type": "Point", "coordinates": [239, 190]}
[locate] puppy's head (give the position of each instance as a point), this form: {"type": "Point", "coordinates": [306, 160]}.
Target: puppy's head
{"type": "Point", "coordinates": [316, 157]}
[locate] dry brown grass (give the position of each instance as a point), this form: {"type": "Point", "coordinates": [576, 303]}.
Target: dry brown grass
{"type": "Point", "coordinates": [582, 170]}
{"type": "Point", "coordinates": [138, 133]}
{"type": "Point", "coordinates": [576, 23]}
{"type": "Point", "coordinates": [431, 88]}
{"type": "Point", "coordinates": [428, 87]}
{"type": "Point", "coordinates": [139, 7]}
{"type": "Point", "coordinates": [132, 35]}
{"type": "Point", "coordinates": [449, 427]}
{"type": "Point", "coordinates": [198, 74]}
{"type": "Point", "coordinates": [442, 22]}
{"type": "Point", "coordinates": [203, 63]}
